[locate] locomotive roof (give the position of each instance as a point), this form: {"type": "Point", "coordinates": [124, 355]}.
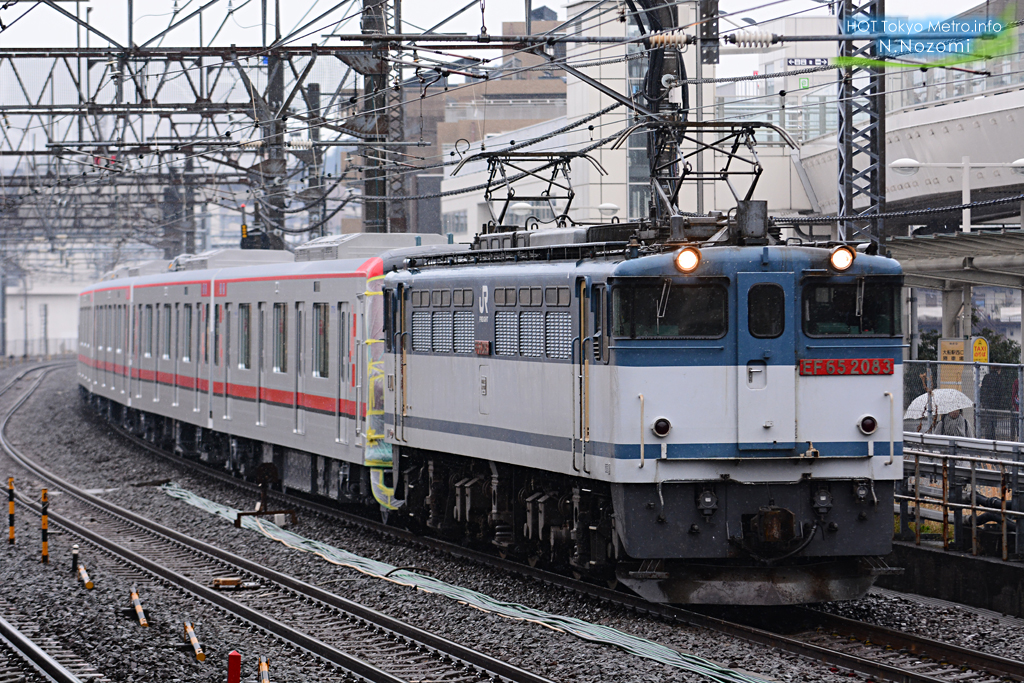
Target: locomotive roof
{"type": "Point", "coordinates": [717, 261]}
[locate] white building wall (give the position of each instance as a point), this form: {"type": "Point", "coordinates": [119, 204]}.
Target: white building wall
{"type": "Point", "coordinates": [25, 312]}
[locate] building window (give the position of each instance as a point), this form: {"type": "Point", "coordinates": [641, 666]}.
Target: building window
{"type": "Point", "coordinates": [321, 350]}
{"type": "Point", "coordinates": [454, 222]}
{"type": "Point", "coordinates": [244, 336]}
{"type": "Point", "coordinates": [280, 337]}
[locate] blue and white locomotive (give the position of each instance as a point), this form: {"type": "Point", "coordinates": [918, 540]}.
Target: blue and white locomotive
{"type": "Point", "coordinates": [704, 422]}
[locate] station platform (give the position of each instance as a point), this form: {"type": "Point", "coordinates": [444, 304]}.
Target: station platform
{"type": "Point", "coordinates": [982, 582]}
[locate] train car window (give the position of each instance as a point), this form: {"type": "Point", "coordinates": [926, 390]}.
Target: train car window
{"type": "Point", "coordinates": [558, 334]}
{"type": "Point", "coordinates": [321, 348]}
{"type": "Point", "coordinates": [186, 334]}
{"type": "Point", "coordinates": [531, 333]}
{"type": "Point", "coordinates": [861, 308]}
{"type": "Point", "coordinates": [660, 309]}
{"type": "Point", "coordinates": [280, 338]}
{"type": "Point", "coordinates": [467, 297]}
{"type": "Point", "coordinates": [442, 297]}
{"type": "Point", "coordinates": [227, 336]}
{"type": "Point", "coordinates": [244, 336]}
{"type": "Point", "coordinates": [499, 296]}
{"type": "Point", "coordinates": [556, 296]}
{"type": "Point", "coordinates": [506, 332]}
{"type": "Point", "coordinates": [216, 334]}
{"type": "Point", "coordinates": [505, 296]}
{"type": "Point", "coordinates": [147, 330]}
{"type": "Point", "coordinates": [203, 332]}
{"type": "Point", "coordinates": [167, 332]}
{"type": "Point", "coordinates": [465, 332]}
{"type": "Point", "coordinates": [766, 311]}
{"type": "Point", "coordinates": [421, 331]}
{"type": "Point", "coordinates": [600, 322]}
{"type": "Point", "coordinates": [441, 332]}
{"type": "Point", "coordinates": [457, 297]}
{"type": "Point", "coordinates": [343, 332]}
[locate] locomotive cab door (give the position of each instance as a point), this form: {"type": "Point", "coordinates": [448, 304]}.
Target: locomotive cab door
{"type": "Point", "coordinates": [766, 375]}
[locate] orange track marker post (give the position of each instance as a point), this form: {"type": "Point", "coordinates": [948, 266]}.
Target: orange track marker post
{"type": "Point", "coordinates": [45, 501]}
{"type": "Point", "coordinates": [190, 635]}
{"type": "Point", "coordinates": [10, 510]}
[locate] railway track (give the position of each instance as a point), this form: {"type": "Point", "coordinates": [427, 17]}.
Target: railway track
{"type": "Point", "coordinates": [872, 651]}
{"type": "Point", "coordinates": [369, 645]}
{"type": "Point", "coordinates": [28, 657]}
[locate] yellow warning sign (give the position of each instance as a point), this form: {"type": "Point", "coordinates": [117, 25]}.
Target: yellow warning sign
{"type": "Point", "coordinates": [980, 348]}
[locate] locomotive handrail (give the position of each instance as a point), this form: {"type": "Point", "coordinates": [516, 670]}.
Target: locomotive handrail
{"type": "Point", "coordinates": [892, 425]}
{"type": "Point", "coordinates": [641, 431]}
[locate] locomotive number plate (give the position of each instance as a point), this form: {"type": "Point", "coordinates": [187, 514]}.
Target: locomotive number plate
{"type": "Point", "coordinates": [846, 366]}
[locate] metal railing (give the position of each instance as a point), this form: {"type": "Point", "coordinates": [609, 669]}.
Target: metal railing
{"type": "Point", "coordinates": [948, 476]}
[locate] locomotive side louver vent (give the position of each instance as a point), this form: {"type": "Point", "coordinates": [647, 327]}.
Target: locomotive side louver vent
{"type": "Point", "coordinates": [465, 332]}
{"type": "Point", "coordinates": [559, 334]}
{"type": "Point", "coordinates": [531, 333]}
{"type": "Point", "coordinates": [506, 333]}
{"type": "Point", "coordinates": [441, 332]}
{"type": "Point", "coordinates": [421, 331]}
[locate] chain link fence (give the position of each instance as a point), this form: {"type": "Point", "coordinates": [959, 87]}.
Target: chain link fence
{"type": "Point", "coordinates": [974, 400]}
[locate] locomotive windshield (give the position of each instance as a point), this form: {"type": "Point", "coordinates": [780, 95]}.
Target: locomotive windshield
{"type": "Point", "coordinates": [661, 309]}
{"type": "Point", "coordinates": [863, 308]}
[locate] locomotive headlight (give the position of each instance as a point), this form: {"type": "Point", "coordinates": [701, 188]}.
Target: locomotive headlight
{"type": "Point", "coordinates": [841, 258]}
{"type": "Point", "coordinates": [688, 259]}
{"type": "Point", "coordinates": [867, 424]}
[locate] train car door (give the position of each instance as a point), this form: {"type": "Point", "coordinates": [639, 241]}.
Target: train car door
{"type": "Point", "coordinates": [300, 384]}
{"type": "Point", "coordinates": [766, 382]}
{"type": "Point", "coordinates": [227, 361]}
{"type": "Point", "coordinates": [261, 363]}
{"type": "Point", "coordinates": [345, 382]}
{"type": "Point", "coordinates": [583, 348]}
{"type": "Point", "coordinates": [197, 364]}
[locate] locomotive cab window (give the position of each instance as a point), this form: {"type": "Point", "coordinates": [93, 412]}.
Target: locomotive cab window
{"type": "Point", "coordinates": [766, 311]}
{"type": "Point", "coordinates": [649, 308]}
{"type": "Point", "coordinates": [861, 308]}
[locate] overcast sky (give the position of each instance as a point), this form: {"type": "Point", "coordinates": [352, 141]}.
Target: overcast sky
{"type": "Point", "coordinates": [42, 26]}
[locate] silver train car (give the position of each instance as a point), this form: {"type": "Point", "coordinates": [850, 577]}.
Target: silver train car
{"type": "Point", "coordinates": [703, 424]}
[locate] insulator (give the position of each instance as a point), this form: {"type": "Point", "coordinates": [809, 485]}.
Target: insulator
{"type": "Point", "coordinates": [752, 38]}
{"type": "Point", "coordinates": [252, 143]}
{"type": "Point", "coordinates": [676, 38]}
{"type": "Point", "coordinates": [301, 144]}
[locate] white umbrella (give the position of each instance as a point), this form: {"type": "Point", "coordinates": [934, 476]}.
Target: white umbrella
{"type": "Point", "coordinates": [943, 401]}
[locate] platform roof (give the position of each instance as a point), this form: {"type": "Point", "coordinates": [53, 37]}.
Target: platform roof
{"type": "Point", "coordinates": [942, 260]}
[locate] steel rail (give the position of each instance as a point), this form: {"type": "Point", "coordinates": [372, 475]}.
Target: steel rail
{"type": "Point", "coordinates": [34, 654]}
{"type": "Point", "coordinates": [446, 647]}
{"type": "Point", "coordinates": [917, 645]}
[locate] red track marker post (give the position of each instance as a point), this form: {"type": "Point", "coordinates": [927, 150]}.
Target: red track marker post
{"type": "Point", "coordinates": [45, 501]}
{"type": "Point", "coordinates": [234, 667]}
{"type": "Point", "coordinates": [10, 510]}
